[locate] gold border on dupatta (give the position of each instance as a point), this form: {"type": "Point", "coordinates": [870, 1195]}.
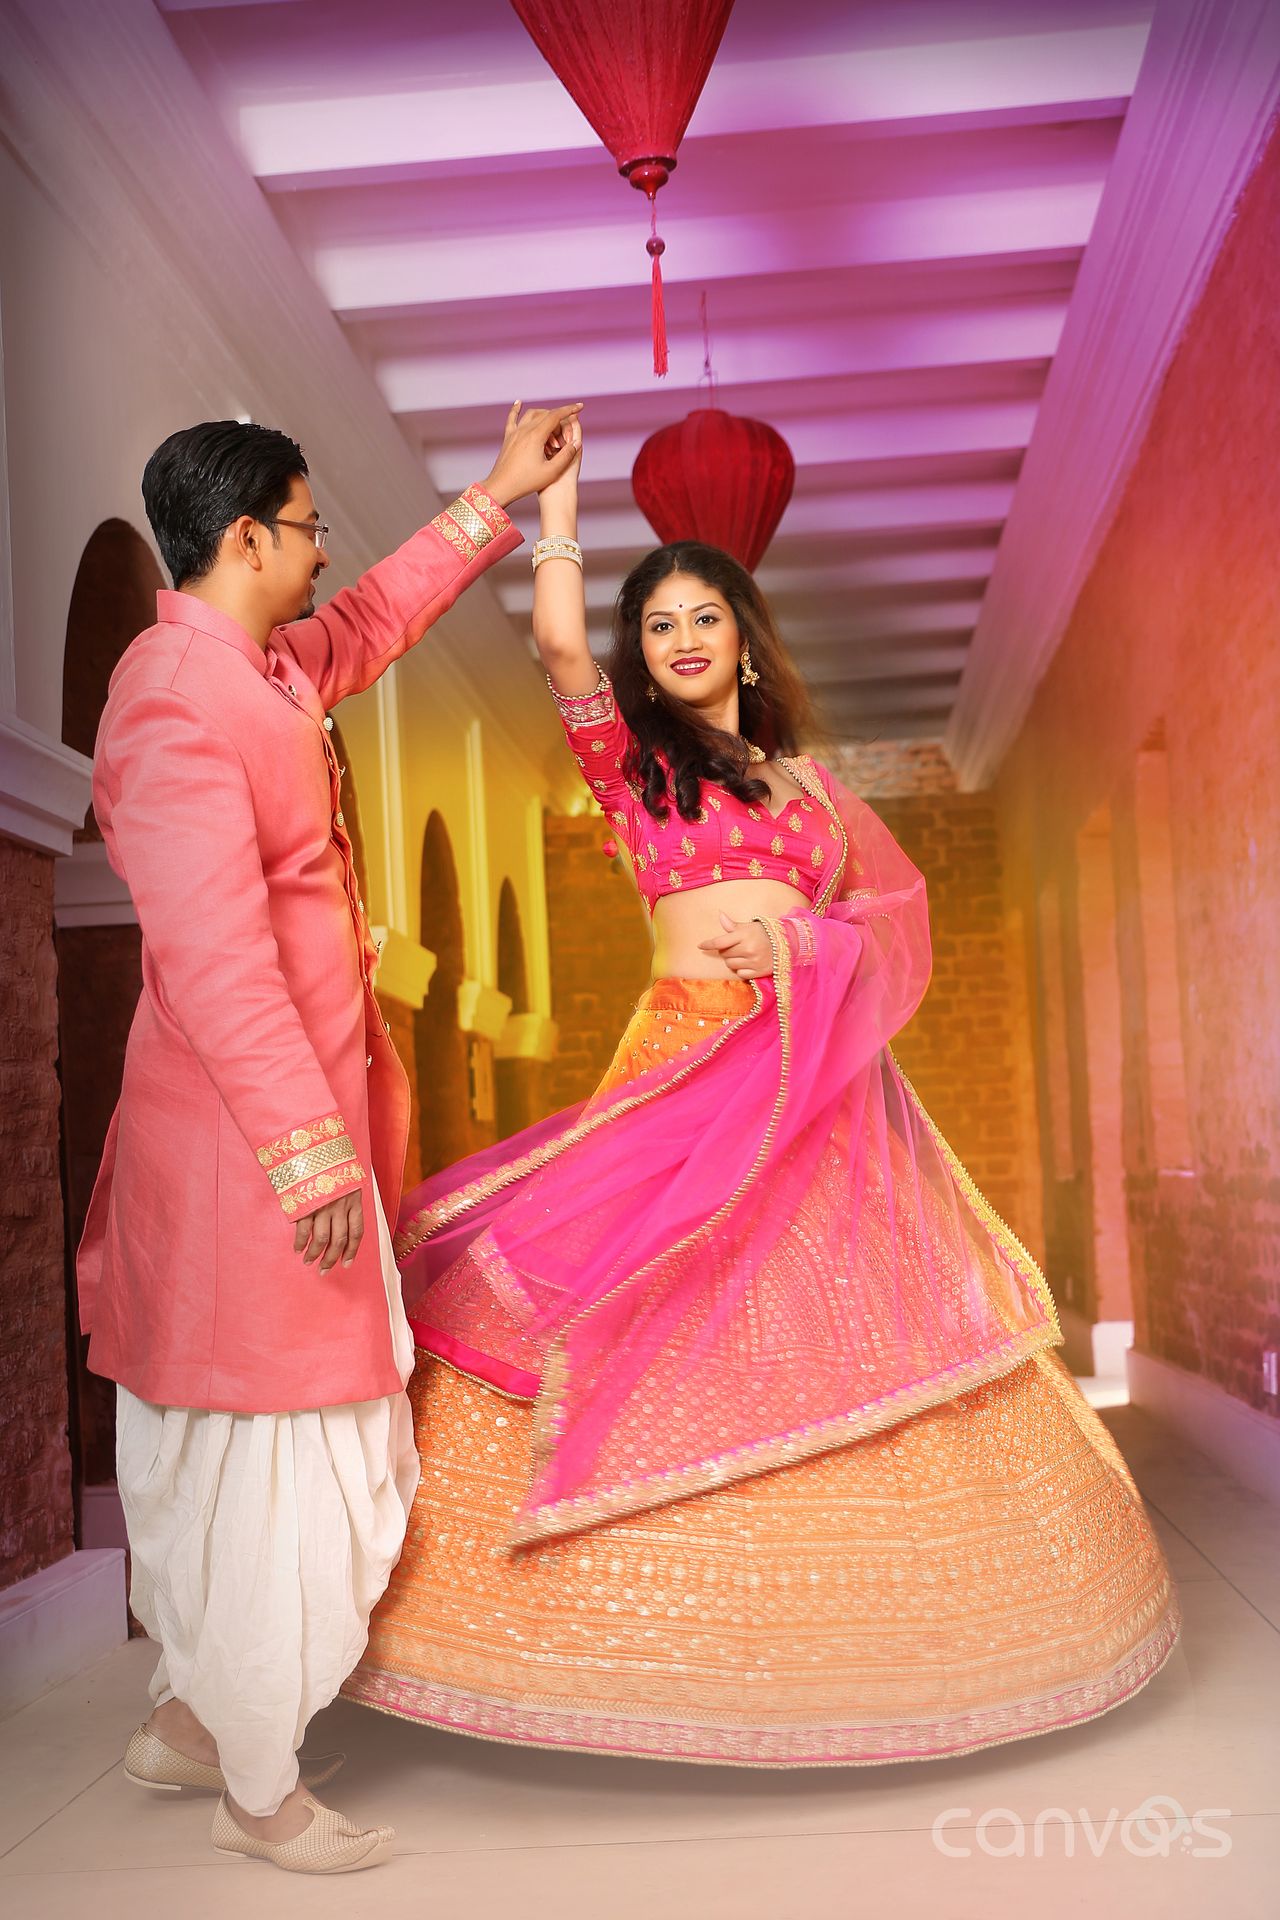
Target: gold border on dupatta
{"type": "Point", "coordinates": [801, 772]}
{"type": "Point", "coordinates": [461, 1201]}
{"type": "Point", "coordinates": [1001, 1232]}
{"type": "Point", "coordinates": [580, 1511]}
{"type": "Point", "coordinates": [555, 1372]}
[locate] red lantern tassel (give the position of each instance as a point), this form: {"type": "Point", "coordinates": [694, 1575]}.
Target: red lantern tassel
{"type": "Point", "coordinates": [659, 321]}
{"type": "Point", "coordinates": [656, 248]}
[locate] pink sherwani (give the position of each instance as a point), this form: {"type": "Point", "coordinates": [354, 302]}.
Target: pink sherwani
{"type": "Point", "coordinates": [259, 1078]}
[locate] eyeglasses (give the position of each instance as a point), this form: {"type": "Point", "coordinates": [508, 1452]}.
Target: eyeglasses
{"type": "Point", "coordinates": [316, 528]}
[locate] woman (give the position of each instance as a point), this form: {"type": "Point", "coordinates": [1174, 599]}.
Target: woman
{"type": "Point", "coordinates": [743, 1438]}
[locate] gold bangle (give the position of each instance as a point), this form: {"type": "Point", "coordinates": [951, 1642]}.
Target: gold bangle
{"type": "Point", "coordinates": [556, 547]}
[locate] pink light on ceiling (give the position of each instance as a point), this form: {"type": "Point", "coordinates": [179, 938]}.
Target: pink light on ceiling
{"type": "Point", "coordinates": [636, 72]}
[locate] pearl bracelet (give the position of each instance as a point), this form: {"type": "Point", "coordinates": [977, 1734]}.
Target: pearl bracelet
{"type": "Point", "coordinates": [556, 547]}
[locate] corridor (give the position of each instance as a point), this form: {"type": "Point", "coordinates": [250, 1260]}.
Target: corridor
{"type": "Point", "coordinates": [995, 284]}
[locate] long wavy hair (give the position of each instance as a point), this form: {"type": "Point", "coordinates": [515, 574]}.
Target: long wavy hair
{"type": "Point", "coordinates": [676, 750]}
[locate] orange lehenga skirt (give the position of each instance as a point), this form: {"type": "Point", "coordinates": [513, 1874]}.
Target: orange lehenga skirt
{"type": "Point", "coordinates": [982, 1571]}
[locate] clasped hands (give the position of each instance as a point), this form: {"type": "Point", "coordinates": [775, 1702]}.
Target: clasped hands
{"type": "Point", "coordinates": [538, 448]}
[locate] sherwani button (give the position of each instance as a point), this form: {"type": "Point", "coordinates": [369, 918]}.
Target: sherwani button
{"type": "Point", "coordinates": [340, 820]}
{"type": "Point", "coordinates": [368, 1060]}
{"type": "Point", "coordinates": [328, 723]}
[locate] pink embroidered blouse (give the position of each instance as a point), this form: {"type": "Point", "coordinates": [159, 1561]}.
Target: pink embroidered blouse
{"type": "Point", "coordinates": [729, 839]}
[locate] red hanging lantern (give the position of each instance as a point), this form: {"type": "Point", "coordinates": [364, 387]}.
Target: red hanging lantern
{"type": "Point", "coordinates": [715, 477]}
{"type": "Point", "coordinates": [636, 71]}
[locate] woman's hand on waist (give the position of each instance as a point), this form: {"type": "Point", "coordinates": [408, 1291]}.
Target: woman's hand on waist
{"type": "Point", "coordinates": [743, 946]}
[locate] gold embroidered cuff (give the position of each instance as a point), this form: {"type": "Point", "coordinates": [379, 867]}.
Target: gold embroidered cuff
{"type": "Point", "coordinates": [313, 1133]}
{"type": "Point", "coordinates": [311, 1164]}
{"type": "Point", "coordinates": [303, 1166]}
{"type": "Point", "coordinates": [471, 522]}
{"type": "Point", "coordinates": [326, 1186]}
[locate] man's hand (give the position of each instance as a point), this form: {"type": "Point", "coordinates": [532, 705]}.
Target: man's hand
{"type": "Point", "coordinates": [535, 451]}
{"type": "Point", "coordinates": [743, 946]}
{"type": "Point", "coordinates": [558, 499]}
{"type": "Point", "coordinates": [331, 1233]}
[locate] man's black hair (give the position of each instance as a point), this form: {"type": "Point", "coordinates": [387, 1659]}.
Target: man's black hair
{"type": "Point", "coordinates": [202, 478]}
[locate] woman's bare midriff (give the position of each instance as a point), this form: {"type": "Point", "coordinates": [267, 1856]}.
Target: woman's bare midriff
{"type": "Point", "coordinates": [681, 920]}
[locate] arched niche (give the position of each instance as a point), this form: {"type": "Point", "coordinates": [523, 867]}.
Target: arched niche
{"type": "Point", "coordinates": [517, 1082]}
{"type": "Point", "coordinates": [513, 979]}
{"type": "Point", "coordinates": [113, 598]}
{"type": "Point", "coordinates": [440, 1047]}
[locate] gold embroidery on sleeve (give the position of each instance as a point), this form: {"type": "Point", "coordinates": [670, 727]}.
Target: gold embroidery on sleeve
{"type": "Point", "coordinates": [304, 1166]}
{"type": "Point", "coordinates": [464, 523]}
{"type": "Point", "coordinates": [327, 1127]}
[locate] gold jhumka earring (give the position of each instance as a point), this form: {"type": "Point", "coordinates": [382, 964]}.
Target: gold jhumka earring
{"type": "Point", "coordinates": [748, 672]}
{"type": "Point", "coordinates": [651, 692]}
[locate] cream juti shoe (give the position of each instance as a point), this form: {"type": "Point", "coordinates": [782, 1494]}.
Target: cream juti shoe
{"type": "Point", "coordinates": [329, 1845]}
{"type": "Point", "coordinates": [150, 1762]}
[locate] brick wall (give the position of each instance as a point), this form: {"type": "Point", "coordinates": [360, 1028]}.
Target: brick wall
{"type": "Point", "coordinates": [1173, 637]}
{"type": "Point", "coordinates": [35, 1462]}
{"type": "Point", "coordinates": [960, 1050]}
{"type": "Point", "coordinates": [600, 952]}
{"type": "Point", "coordinates": [966, 1050]}
{"type": "Point", "coordinates": [892, 769]}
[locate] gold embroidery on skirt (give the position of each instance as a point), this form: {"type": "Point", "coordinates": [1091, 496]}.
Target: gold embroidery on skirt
{"type": "Point", "coordinates": [976, 1573]}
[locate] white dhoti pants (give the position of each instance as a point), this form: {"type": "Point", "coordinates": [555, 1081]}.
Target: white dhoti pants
{"type": "Point", "coordinates": [261, 1543]}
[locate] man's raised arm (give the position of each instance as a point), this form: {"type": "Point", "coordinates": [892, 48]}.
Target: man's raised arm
{"type": "Point", "coordinates": [344, 646]}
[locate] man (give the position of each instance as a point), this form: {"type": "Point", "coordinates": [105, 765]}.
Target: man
{"type": "Point", "coordinates": [235, 1274]}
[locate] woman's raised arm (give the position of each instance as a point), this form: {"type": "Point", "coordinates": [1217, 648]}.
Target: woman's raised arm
{"type": "Point", "coordinates": [559, 601]}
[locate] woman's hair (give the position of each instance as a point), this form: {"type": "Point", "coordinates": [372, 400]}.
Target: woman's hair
{"type": "Point", "coordinates": [202, 478]}
{"type": "Point", "coordinates": [775, 713]}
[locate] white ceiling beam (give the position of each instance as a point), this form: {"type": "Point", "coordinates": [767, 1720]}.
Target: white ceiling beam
{"type": "Point", "coordinates": [870, 698]}
{"type": "Point", "coordinates": [383, 273]}
{"type": "Point", "coordinates": [890, 433]}
{"type": "Point", "coordinates": [885, 622]}
{"type": "Point", "coordinates": [884, 570]}
{"type": "Point", "coordinates": [864, 667]}
{"type": "Point", "coordinates": [850, 584]}
{"type": "Point", "coordinates": [295, 142]}
{"type": "Point", "coordinates": [882, 511]}
{"type": "Point", "coordinates": [825, 563]}
{"type": "Point", "coordinates": [217, 6]}
{"type": "Point", "coordinates": [787, 395]}
{"type": "Point", "coordinates": [920, 340]}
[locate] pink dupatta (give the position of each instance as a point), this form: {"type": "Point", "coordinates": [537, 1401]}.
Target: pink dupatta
{"type": "Point", "coordinates": [753, 1253]}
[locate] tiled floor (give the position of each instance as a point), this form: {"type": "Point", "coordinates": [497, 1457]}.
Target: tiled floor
{"type": "Point", "coordinates": [490, 1832]}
